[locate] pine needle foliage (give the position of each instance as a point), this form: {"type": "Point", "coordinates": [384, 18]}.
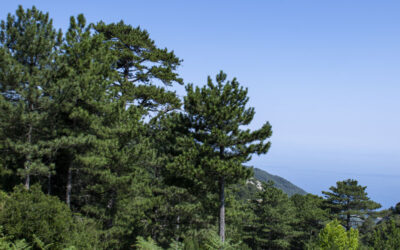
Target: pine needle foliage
{"type": "Point", "coordinates": [348, 201]}
{"type": "Point", "coordinates": [217, 142]}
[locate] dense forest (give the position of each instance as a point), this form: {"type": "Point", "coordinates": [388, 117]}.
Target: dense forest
{"type": "Point", "coordinates": [97, 151]}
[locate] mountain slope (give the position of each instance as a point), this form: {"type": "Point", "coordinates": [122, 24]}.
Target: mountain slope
{"type": "Point", "coordinates": [281, 183]}
{"type": "Point", "coordinates": [253, 185]}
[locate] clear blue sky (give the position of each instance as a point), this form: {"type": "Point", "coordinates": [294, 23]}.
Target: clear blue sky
{"type": "Point", "coordinates": [326, 74]}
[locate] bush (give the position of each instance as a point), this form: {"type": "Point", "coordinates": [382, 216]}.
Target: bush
{"type": "Point", "coordinates": [146, 244]}
{"type": "Point", "coordinates": [334, 236]}
{"type": "Point", "coordinates": [387, 236]}
{"type": "Point", "coordinates": [209, 239]}
{"type": "Point", "coordinates": [43, 221]}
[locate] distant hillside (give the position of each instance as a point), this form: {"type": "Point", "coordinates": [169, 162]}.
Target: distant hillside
{"type": "Point", "coordinates": [280, 182]}
{"type": "Point", "coordinates": [254, 184]}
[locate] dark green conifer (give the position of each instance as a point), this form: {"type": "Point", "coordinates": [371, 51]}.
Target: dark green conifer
{"type": "Point", "coordinates": [142, 65]}
{"type": "Point", "coordinates": [83, 106]}
{"type": "Point", "coordinates": [349, 201]}
{"type": "Point", "coordinates": [217, 145]}
{"type": "Point", "coordinates": [275, 218]}
{"type": "Point", "coordinates": [311, 217]}
{"type": "Point", "coordinates": [28, 48]}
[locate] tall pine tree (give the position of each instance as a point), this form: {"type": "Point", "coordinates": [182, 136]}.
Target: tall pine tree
{"type": "Point", "coordinates": [28, 50]}
{"type": "Point", "coordinates": [349, 201]}
{"type": "Point", "coordinates": [217, 144]}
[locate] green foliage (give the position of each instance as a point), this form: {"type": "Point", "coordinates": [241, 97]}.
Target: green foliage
{"type": "Point", "coordinates": [396, 209]}
{"type": "Point", "coordinates": [386, 236]}
{"type": "Point", "coordinates": [348, 201]}
{"type": "Point", "coordinates": [7, 244]}
{"type": "Point", "coordinates": [334, 236]}
{"type": "Point", "coordinates": [273, 226]}
{"type": "Point", "coordinates": [380, 230]}
{"type": "Point", "coordinates": [216, 113]}
{"type": "Point", "coordinates": [209, 239]}
{"type": "Point", "coordinates": [176, 245]}
{"type": "Point", "coordinates": [216, 146]}
{"type": "Point", "coordinates": [42, 220]}
{"type": "Point", "coordinates": [27, 214]}
{"type": "Point", "coordinates": [213, 241]}
{"type": "Point", "coordinates": [221, 146]}
{"type": "Point", "coordinates": [311, 218]}
{"type": "Point", "coordinates": [28, 46]}
{"type": "Point", "coordinates": [200, 240]}
{"type": "Point", "coordinates": [146, 244]}
{"type": "Point", "coordinates": [238, 215]}
{"type": "Point", "coordinates": [140, 62]}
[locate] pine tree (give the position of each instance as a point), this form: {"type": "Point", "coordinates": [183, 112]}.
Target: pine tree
{"type": "Point", "coordinates": [28, 48]}
{"type": "Point", "coordinates": [106, 143]}
{"type": "Point", "coordinates": [82, 105]}
{"type": "Point", "coordinates": [311, 217]}
{"type": "Point", "coordinates": [142, 65]}
{"type": "Point", "coordinates": [274, 224]}
{"type": "Point", "coordinates": [177, 198]}
{"type": "Point", "coordinates": [216, 145]}
{"type": "Point", "coordinates": [348, 200]}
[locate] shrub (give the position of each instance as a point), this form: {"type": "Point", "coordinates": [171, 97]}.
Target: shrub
{"type": "Point", "coordinates": [334, 236]}
{"type": "Point", "coordinates": [43, 221]}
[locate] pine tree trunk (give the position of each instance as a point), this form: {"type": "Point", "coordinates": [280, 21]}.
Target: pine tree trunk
{"type": "Point", "coordinates": [49, 184]}
{"type": "Point", "coordinates": [27, 180]}
{"type": "Point", "coordinates": [28, 160]}
{"type": "Point", "coordinates": [177, 228]}
{"type": "Point", "coordinates": [222, 209]}
{"type": "Point", "coordinates": [126, 73]}
{"type": "Point", "coordinates": [348, 222]}
{"type": "Point", "coordinates": [69, 175]}
{"type": "Point", "coordinates": [110, 206]}
{"type": "Point", "coordinates": [69, 186]}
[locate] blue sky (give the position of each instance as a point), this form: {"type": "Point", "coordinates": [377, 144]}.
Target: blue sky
{"type": "Point", "coordinates": [325, 74]}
